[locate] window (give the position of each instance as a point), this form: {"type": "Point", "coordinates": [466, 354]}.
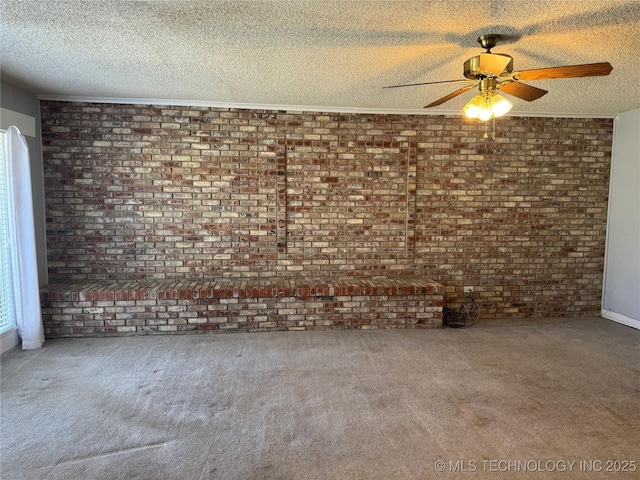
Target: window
{"type": "Point", "coordinates": [8, 257]}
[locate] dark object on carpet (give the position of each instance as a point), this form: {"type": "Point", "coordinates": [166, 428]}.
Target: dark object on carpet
{"type": "Point", "coordinates": [463, 317]}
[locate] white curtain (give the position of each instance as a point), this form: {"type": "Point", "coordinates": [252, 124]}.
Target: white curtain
{"type": "Point", "coordinates": [27, 293]}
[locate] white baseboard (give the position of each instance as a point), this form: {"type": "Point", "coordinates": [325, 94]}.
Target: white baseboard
{"type": "Point", "coordinates": [617, 317]}
{"type": "Point", "coordinates": [8, 339]}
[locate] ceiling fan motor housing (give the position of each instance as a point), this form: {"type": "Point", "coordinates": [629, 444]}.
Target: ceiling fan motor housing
{"type": "Point", "coordinates": [488, 65]}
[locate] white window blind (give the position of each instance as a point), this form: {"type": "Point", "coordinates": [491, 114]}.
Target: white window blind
{"type": "Point", "coordinates": [8, 257]}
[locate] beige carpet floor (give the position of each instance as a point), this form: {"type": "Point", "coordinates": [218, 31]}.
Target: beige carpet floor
{"type": "Point", "coordinates": [498, 400]}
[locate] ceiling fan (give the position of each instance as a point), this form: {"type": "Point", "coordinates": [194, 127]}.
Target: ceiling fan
{"type": "Point", "coordinates": [493, 72]}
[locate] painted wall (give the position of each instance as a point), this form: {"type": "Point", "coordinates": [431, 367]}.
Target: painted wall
{"type": "Point", "coordinates": [15, 99]}
{"type": "Point", "coordinates": [621, 300]}
{"type": "Point", "coordinates": [141, 191]}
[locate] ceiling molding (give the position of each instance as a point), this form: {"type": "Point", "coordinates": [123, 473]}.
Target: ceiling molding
{"type": "Point", "coordinates": [294, 108]}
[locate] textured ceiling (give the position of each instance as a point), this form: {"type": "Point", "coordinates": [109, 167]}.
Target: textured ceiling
{"type": "Point", "coordinates": [316, 55]}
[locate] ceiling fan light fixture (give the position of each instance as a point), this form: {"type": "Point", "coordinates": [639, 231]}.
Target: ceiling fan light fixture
{"type": "Point", "coordinates": [487, 105]}
{"type": "Point", "coordinates": [500, 105]}
{"type": "Point", "coordinates": [475, 107]}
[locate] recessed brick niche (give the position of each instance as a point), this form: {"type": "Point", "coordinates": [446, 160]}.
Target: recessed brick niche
{"type": "Point", "coordinates": [143, 193]}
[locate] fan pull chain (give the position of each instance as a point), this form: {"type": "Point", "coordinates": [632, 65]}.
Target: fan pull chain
{"type": "Point", "coordinates": [486, 130]}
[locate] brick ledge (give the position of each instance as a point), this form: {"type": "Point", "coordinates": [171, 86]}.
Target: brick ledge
{"type": "Point", "coordinates": [238, 288]}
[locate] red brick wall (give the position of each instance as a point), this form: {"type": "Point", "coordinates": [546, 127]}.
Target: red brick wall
{"type": "Point", "coordinates": [138, 191]}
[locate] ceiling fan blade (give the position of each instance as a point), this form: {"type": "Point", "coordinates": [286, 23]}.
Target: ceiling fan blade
{"type": "Point", "coordinates": [568, 71]}
{"type": "Point", "coordinates": [450, 96]}
{"type": "Point", "coordinates": [521, 90]}
{"type": "Point", "coordinates": [428, 83]}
